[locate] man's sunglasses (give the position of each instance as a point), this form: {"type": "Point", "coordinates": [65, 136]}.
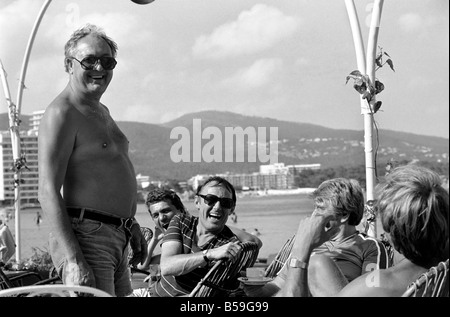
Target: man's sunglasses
{"type": "Point", "coordinates": [211, 200]}
{"type": "Point", "coordinates": [89, 63]}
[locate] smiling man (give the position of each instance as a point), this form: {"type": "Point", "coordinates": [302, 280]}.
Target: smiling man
{"type": "Point", "coordinates": [83, 152]}
{"type": "Point", "coordinates": [163, 205]}
{"type": "Point", "coordinates": [191, 243]}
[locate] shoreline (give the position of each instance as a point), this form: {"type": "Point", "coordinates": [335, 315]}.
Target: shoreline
{"type": "Point", "coordinates": [275, 216]}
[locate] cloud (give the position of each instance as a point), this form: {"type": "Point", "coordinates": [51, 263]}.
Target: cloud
{"type": "Point", "coordinates": [259, 74]}
{"type": "Point", "coordinates": [411, 22]}
{"type": "Point", "coordinates": [255, 30]}
{"type": "Point", "coordinates": [13, 39]}
{"type": "Point", "coordinates": [128, 33]}
{"type": "Point", "coordinates": [302, 62]}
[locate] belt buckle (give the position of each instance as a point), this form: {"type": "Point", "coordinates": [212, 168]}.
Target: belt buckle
{"type": "Point", "coordinates": [127, 223]}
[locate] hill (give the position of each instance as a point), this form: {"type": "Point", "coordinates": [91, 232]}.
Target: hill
{"type": "Point", "coordinates": [298, 143]}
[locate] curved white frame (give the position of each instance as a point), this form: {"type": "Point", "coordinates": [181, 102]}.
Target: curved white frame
{"type": "Point", "coordinates": [58, 290]}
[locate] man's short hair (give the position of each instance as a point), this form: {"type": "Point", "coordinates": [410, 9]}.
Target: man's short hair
{"type": "Point", "coordinates": [219, 181]}
{"type": "Point", "coordinates": [159, 194]}
{"type": "Point", "coordinates": [71, 45]}
{"type": "Point", "coordinates": [344, 195]}
{"type": "Point", "coordinates": [413, 207]}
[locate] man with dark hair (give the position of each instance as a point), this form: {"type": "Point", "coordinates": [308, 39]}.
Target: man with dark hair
{"type": "Point", "coordinates": [191, 243]}
{"type": "Point", "coordinates": [163, 205]}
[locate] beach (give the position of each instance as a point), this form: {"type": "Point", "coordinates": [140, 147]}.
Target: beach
{"type": "Point", "coordinates": [275, 216]}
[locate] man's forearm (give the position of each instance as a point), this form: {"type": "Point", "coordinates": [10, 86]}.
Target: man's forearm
{"type": "Point", "coordinates": [297, 271]}
{"type": "Point", "coordinates": [61, 228]}
{"type": "Point", "coordinates": [297, 279]}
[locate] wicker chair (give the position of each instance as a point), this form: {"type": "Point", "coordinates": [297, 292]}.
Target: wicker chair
{"type": "Point", "coordinates": [58, 290]}
{"type": "Point", "coordinates": [212, 284]}
{"type": "Point", "coordinates": [433, 283]}
{"type": "Point", "coordinates": [17, 279]}
{"type": "Point", "coordinates": [275, 266]}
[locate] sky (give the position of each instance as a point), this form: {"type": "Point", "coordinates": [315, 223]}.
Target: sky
{"type": "Point", "coordinates": [281, 59]}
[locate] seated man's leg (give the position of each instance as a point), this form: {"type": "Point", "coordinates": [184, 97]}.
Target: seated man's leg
{"type": "Point", "coordinates": [324, 276]}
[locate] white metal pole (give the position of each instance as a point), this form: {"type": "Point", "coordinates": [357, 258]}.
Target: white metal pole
{"type": "Point", "coordinates": [357, 37]}
{"type": "Point", "coordinates": [15, 133]}
{"type": "Point", "coordinates": [367, 65]}
{"type": "Point", "coordinates": [15, 145]}
{"type": "Point", "coordinates": [368, 115]}
{"type": "Point", "coordinates": [27, 54]}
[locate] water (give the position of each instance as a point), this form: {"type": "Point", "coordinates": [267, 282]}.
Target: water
{"type": "Point", "coordinates": [275, 217]}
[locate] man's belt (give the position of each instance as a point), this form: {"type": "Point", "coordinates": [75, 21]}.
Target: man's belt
{"type": "Point", "coordinates": [94, 215]}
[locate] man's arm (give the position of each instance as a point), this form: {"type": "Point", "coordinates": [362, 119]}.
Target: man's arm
{"type": "Point", "coordinates": [56, 142]}
{"type": "Point", "coordinates": [173, 262]}
{"type": "Point", "coordinates": [151, 259]}
{"type": "Point", "coordinates": [137, 244]}
{"type": "Point", "coordinates": [311, 233]}
{"type": "Point", "coordinates": [325, 278]}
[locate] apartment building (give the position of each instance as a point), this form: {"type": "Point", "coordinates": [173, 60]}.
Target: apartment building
{"type": "Point", "coordinates": [273, 176]}
{"type": "Point", "coordinates": [29, 169]}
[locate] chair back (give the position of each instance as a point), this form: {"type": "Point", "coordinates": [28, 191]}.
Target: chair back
{"type": "Point", "coordinates": [275, 266]}
{"type": "Point", "coordinates": [4, 280]}
{"type": "Point", "coordinates": [57, 290]}
{"type": "Point", "coordinates": [213, 282]}
{"type": "Point", "coordinates": [10, 279]}
{"type": "Point", "coordinates": [433, 283]}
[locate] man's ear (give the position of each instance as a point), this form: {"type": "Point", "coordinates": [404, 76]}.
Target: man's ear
{"type": "Point", "coordinates": [197, 202]}
{"type": "Point", "coordinates": [69, 63]}
{"type": "Point", "coordinates": [345, 217]}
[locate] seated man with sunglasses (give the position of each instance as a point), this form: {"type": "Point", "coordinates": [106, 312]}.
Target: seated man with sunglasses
{"type": "Point", "coordinates": [83, 152]}
{"type": "Point", "coordinates": [163, 205]}
{"type": "Point", "coordinates": [191, 243]}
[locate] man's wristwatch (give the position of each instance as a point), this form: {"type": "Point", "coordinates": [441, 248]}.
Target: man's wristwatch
{"type": "Point", "coordinates": [296, 263]}
{"type": "Point", "coordinates": [205, 256]}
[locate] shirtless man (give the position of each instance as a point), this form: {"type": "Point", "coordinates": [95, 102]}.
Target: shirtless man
{"type": "Point", "coordinates": [82, 151]}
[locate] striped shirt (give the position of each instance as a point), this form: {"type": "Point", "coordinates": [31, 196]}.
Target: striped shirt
{"type": "Point", "coordinates": [355, 255]}
{"type": "Point", "coordinates": [183, 228]}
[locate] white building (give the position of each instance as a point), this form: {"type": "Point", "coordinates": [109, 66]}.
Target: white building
{"type": "Point", "coordinates": [29, 169]}
{"type": "Point", "coordinates": [36, 119]}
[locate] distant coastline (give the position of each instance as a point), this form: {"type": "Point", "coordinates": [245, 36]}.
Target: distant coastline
{"type": "Point", "coordinates": [277, 192]}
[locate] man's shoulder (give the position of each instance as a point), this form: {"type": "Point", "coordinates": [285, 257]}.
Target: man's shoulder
{"type": "Point", "coordinates": [59, 109]}
{"type": "Point", "coordinates": [228, 234]}
{"type": "Point", "coordinates": [62, 112]}
{"type": "Point", "coordinates": [367, 240]}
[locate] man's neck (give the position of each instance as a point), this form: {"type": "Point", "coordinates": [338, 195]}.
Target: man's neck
{"type": "Point", "coordinates": [346, 231]}
{"type": "Point", "coordinates": [84, 98]}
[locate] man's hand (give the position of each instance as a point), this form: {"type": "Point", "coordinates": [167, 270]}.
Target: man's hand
{"type": "Point", "coordinates": [314, 231]}
{"type": "Point", "coordinates": [159, 234]}
{"type": "Point", "coordinates": [228, 251]}
{"type": "Point", "coordinates": [78, 274]}
{"type": "Point", "coordinates": [138, 245]}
